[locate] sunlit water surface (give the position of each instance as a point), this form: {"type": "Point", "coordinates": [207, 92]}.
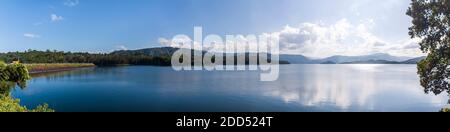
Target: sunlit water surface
{"type": "Point", "coordinates": [299, 88]}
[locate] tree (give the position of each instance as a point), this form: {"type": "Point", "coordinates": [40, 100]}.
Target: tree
{"type": "Point", "coordinates": [10, 76]}
{"type": "Point", "coordinates": [431, 24]}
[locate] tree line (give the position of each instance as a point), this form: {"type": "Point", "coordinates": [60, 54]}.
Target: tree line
{"type": "Point", "coordinates": [431, 23]}
{"type": "Point", "coordinates": [100, 59]}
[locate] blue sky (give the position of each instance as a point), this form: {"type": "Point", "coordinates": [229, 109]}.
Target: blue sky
{"type": "Point", "coordinates": [106, 25]}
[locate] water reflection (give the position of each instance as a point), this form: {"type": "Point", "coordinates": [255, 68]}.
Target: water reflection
{"type": "Point", "coordinates": [299, 88]}
{"type": "Point", "coordinates": [356, 88]}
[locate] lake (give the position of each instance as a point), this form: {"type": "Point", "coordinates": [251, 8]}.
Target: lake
{"type": "Point", "coordinates": [300, 88]}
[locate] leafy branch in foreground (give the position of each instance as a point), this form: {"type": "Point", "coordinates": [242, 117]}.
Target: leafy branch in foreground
{"type": "Point", "coordinates": [431, 24]}
{"type": "Point", "coordinates": [99, 59]}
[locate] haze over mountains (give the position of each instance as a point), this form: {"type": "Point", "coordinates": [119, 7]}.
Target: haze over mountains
{"type": "Point", "coordinates": [379, 58]}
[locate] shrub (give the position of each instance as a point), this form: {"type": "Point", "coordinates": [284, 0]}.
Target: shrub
{"type": "Point", "coordinates": [8, 104]}
{"type": "Point", "coordinates": [10, 76]}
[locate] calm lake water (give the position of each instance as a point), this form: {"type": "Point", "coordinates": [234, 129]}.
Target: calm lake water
{"type": "Point", "coordinates": [300, 88]}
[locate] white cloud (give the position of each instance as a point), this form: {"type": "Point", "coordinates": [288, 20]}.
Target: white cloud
{"type": "Point", "coordinates": [341, 38]}
{"type": "Point", "coordinates": [56, 18]}
{"type": "Point", "coordinates": [180, 42]}
{"type": "Point", "coordinates": [71, 3]}
{"type": "Point", "coordinates": [31, 35]}
{"type": "Point", "coordinates": [121, 47]}
{"type": "Point", "coordinates": [407, 47]}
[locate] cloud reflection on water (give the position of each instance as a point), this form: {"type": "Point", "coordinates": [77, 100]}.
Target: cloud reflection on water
{"type": "Point", "coordinates": [355, 87]}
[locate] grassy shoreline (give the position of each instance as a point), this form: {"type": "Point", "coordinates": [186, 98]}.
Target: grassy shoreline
{"type": "Point", "coordinates": [54, 67]}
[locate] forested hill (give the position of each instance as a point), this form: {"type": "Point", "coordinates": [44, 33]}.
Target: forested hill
{"type": "Point", "coordinates": [162, 57]}
{"type": "Point", "coordinates": [33, 56]}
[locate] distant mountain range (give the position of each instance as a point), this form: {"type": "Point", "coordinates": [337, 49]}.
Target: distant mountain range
{"type": "Point", "coordinates": [163, 51]}
{"type": "Point", "coordinates": [376, 57]}
{"type": "Point", "coordinates": [379, 58]}
{"type": "Point", "coordinates": [414, 60]}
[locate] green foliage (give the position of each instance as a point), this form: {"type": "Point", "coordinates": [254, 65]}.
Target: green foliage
{"type": "Point", "coordinates": [10, 76]}
{"type": "Point", "coordinates": [3, 76]}
{"type": "Point", "coordinates": [8, 104]}
{"type": "Point", "coordinates": [17, 73]}
{"type": "Point", "coordinates": [431, 23]}
{"type": "Point", "coordinates": [6, 87]}
{"type": "Point", "coordinates": [42, 108]}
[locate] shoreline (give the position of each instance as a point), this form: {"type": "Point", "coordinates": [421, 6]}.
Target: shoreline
{"type": "Point", "coordinates": [57, 67]}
